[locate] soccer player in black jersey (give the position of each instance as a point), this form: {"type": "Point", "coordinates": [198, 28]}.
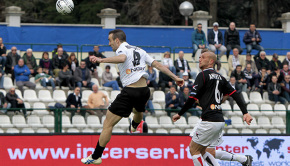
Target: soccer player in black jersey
{"type": "Point", "coordinates": [209, 89]}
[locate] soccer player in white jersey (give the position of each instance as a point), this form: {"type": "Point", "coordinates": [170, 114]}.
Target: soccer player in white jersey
{"type": "Point", "coordinates": [131, 62]}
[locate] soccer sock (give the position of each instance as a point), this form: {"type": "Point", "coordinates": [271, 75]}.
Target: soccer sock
{"type": "Point", "coordinates": [134, 124]}
{"type": "Point", "coordinates": [224, 155]}
{"type": "Point", "coordinates": [210, 159]}
{"type": "Point", "coordinates": [98, 151]}
{"type": "Point", "coordinates": [198, 160]}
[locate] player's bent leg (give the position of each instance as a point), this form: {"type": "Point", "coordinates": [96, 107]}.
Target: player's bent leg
{"type": "Point", "coordinates": [227, 156]}
{"type": "Point", "coordinates": [137, 118]}
{"type": "Point", "coordinates": [196, 152]}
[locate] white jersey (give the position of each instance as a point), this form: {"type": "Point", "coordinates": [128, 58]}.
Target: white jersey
{"type": "Point", "coordinates": [134, 66]}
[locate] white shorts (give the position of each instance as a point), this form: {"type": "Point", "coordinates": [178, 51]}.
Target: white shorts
{"type": "Point", "coordinates": [208, 133]}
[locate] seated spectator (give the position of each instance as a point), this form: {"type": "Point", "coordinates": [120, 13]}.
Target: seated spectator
{"type": "Point", "coordinates": [287, 60]}
{"type": "Point", "coordinates": [3, 56]}
{"type": "Point", "coordinates": [277, 72]}
{"type": "Point", "coordinates": [150, 108]}
{"type": "Point", "coordinates": [251, 77]}
{"type": "Point", "coordinates": [216, 40]}
{"type": "Point", "coordinates": [44, 79]}
{"type": "Point", "coordinates": [165, 81]}
{"type": "Point", "coordinates": [195, 110]}
{"type": "Point", "coordinates": [96, 101]}
{"type": "Point", "coordinates": [274, 91]}
{"type": "Point", "coordinates": [66, 78]}
{"type": "Point", "coordinates": [57, 61]}
{"type": "Point", "coordinates": [22, 73]}
{"type": "Point", "coordinates": [108, 81]}
{"type": "Point", "coordinates": [92, 66]}
{"type": "Point", "coordinates": [240, 77]}
{"type": "Point", "coordinates": [167, 62]}
{"type": "Point", "coordinates": [252, 39]}
{"type": "Point", "coordinates": [74, 102]}
{"type": "Point", "coordinates": [1, 79]}
{"type": "Point", "coordinates": [232, 39]}
{"type": "Point", "coordinates": [286, 88]}
{"type": "Point", "coordinates": [72, 62]}
{"type": "Point", "coordinates": [3, 104]}
{"type": "Point", "coordinates": [262, 80]}
{"type": "Point", "coordinates": [12, 60]}
{"type": "Point", "coordinates": [182, 66]}
{"type": "Point", "coordinates": [172, 100]}
{"type": "Point", "coordinates": [285, 70]}
{"type": "Point", "coordinates": [262, 61]}
{"type": "Point", "coordinates": [83, 76]}
{"type": "Point", "coordinates": [55, 52]}
{"type": "Point", "coordinates": [30, 61]}
{"type": "Point", "coordinates": [198, 39]}
{"type": "Point", "coordinates": [15, 102]}
{"type": "Point", "coordinates": [151, 81]}
{"type": "Point", "coordinates": [236, 86]}
{"type": "Point", "coordinates": [187, 82]}
{"type": "Point", "coordinates": [275, 62]}
{"type": "Point", "coordinates": [251, 62]}
{"type": "Point", "coordinates": [97, 53]}
{"type": "Point", "coordinates": [45, 63]}
{"type": "Point", "coordinates": [235, 60]}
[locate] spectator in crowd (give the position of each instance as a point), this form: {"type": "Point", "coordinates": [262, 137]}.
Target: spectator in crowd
{"type": "Point", "coordinates": [45, 63]}
{"type": "Point", "coordinates": [171, 100]}
{"type": "Point", "coordinates": [216, 40]}
{"type": "Point", "coordinates": [12, 60]}
{"type": "Point", "coordinates": [92, 66]}
{"type": "Point", "coordinates": [262, 61]}
{"type": "Point", "coordinates": [285, 70]}
{"type": "Point", "coordinates": [44, 79]}
{"type": "Point", "coordinates": [287, 60]}
{"type": "Point", "coordinates": [182, 66]}
{"type": "Point", "coordinates": [165, 81]}
{"type": "Point", "coordinates": [235, 60]}
{"type": "Point", "coordinates": [274, 91]}
{"type": "Point", "coordinates": [30, 61]}
{"type": "Point", "coordinates": [56, 51]}
{"type": "Point", "coordinates": [96, 101]}
{"type": "Point", "coordinates": [3, 104]}
{"type": "Point", "coordinates": [251, 77]}
{"type": "Point", "coordinates": [3, 56]}
{"type": "Point", "coordinates": [151, 81]}
{"type": "Point", "coordinates": [240, 77]}
{"type": "Point", "coordinates": [150, 107]}
{"type": "Point", "coordinates": [277, 72]}
{"type": "Point", "coordinates": [74, 102]}
{"type": "Point", "coordinates": [275, 62]}
{"type": "Point", "coordinates": [232, 39]}
{"type": "Point", "coordinates": [251, 62]}
{"type": "Point", "coordinates": [187, 82]}
{"type": "Point", "coordinates": [22, 73]}
{"type": "Point", "coordinates": [108, 81]}
{"type": "Point", "coordinates": [72, 62]}
{"type": "Point", "coordinates": [66, 78]}
{"type": "Point", "coordinates": [252, 39]}
{"type": "Point", "coordinates": [198, 39]}
{"type": "Point", "coordinates": [98, 54]}
{"type": "Point", "coordinates": [1, 79]}
{"type": "Point", "coordinates": [262, 80]}
{"type": "Point", "coordinates": [15, 102]}
{"type": "Point", "coordinates": [286, 87]}
{"type": "Point", "coordinates": [83, 76]}
{"type": "Point", "coordinates": [233, 82]}
{"type": "Point", "coordinates": [167, 61]}
{"type": "Point", "coordinates": [195, 110]}
{"type": "Point", "coordinates": [57, 61]}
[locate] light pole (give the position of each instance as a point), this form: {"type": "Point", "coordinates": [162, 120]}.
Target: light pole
{"type": "Point", "coordinates": [186, 10]}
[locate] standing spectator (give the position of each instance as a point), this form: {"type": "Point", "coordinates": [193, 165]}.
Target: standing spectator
{"type": "Point", "coordinates": [30, 61]}
{"type": "Point", "coordinates": [151, 81]}
{"type": "Point", "coordinates": [56, 51]}
{"type": "Point", "coordinates": [45, 63]}
{"type": "Point", "coordinates": [3, 104]}
{"type": "Point", "coordinates": [251, 62]}
{"type": "Point", "coordinates": [74, 102]}
{"type": "Point", "coordinates": [198, 39]}
{"type": "Point", "coordinates": [235, 60]}
{"type": "Point", "coordinates": [15, 102]}
{"type": "Point", "coordinates": [232, 39]}
{"type": "Point", "coordinates": [92, 66]}
{"type": "Point", "coordinates": [57, 61]}
{"type": "Point", "coordinates": [98, 54]}
{"type": "Point", "coordinates": [216, 40]}
{"type": "Point", "coordinates": [167, 61]}
{"type": "Point", "coordinates": [277, 72]}
{"type": "Point", "coordinates": [275, 62]}
{"type": "Point", "coordinates": [263, 80]}
{"type": "Point", "coordinates": [251, 77]}
{"type": "Point", "coordinates": [252, 39]}
{"type": "Point", "coordinates": [172, 100]}
{"type": "Point", "coordinates": [108, 81]}
{"type": "Point", "coordinates": [187, 82]}
{"type": "Point", "coordinates": [3, 56]}
{"type": "Point", "coordinates": [286, 88]}
{"type": "Point", "coordinates": [287, 60]}
{"type": "Point", "coordinates": [22, 73]}
{"type": "Point", "coordinates": [44, 79]}
{"type": "Point", "coordinates": [240, 77]}
{"type": "Point", "coordinates": [182, 66]}
{"type": "Point", "coordinates": [1, 79]}
{"type": "Point", "coordinates": [66, 78]}
{"type": "Point", "coordinates": [262, 61]}
{"type": "Point", "coordinates": [12, 60]}
{"type": "Point", "coordinates": [83, 76]}
{"type": "Point", "coordinates": [274, 91]}
{"type": "Point", "coordinates": [285, 70]}
{"type": "Point", "coordinates": [195, 110]}
{"type": "Point", "coordinates": [165, 81]}
{"type": "Point", "coordinates": [73, 62]}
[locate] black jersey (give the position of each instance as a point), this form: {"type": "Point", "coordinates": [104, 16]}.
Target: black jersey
{"type": "Point", "coordinates": [209, 88]}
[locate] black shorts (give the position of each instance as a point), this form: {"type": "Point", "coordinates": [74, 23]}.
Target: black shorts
{"type": "Point", "coordinates": [128, 99]}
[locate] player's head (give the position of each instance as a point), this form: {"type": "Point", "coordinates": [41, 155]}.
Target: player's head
{"type": "Point", "coordinates": [116, 38]}
{"type": "Point", "coordinates": [274, 79]}
{"type": "Point", "coordinates": [207, 60]}
{"type": "Point", "coordinates": [95, 88]}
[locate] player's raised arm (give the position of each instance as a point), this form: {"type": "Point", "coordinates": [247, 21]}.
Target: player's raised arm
{"type": "Point", "coordinates": [116, 59]}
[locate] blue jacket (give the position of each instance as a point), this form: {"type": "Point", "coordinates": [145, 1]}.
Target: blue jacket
{"type": "Point", "coordinates": [198, 38]}
{"type": "Point", "coordinates": [249, 35]}
{"type": "Point", "coordinates": [152, 77]}
{"type": "Point", "coordinates": [168, 100]}
{"type": "Point", "coordinates": [21, 73]}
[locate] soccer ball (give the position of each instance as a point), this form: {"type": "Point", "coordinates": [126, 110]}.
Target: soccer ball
{"type": "Point", "coordinates": [64, 6]}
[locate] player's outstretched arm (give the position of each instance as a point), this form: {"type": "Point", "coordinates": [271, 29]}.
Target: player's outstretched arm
{"type": "Point", "coordinates": [166, 71]}
{"type": "Point", "coordinates": [246, 116]}
{"type": "Point", "coordinates": [116, 59]}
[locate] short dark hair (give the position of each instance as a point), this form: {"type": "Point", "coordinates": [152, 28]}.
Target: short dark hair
{"type": "Point", "coordinates": [91, 53]}
{"type": "Point", "coordinates": [248, 54]}
{"type": "Point", "coordinates": [263, 68]}
{"type": "Point", "coordinates": [199, 24]}
{"type": "Point", "coordinates": [108, 67]}
{"type": "Point", "coordinates": [239, 66]}
{"type": "Point", "coordinates": [118, 33]}
{"type": "Point", "coordinates": [83, 61]}
{"type": "Point", "coordinates": [64, 64]}
{"type": "Point", "coordinates": [233, 77]}
{"type": "Point", "coordinates": [276, 68]}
